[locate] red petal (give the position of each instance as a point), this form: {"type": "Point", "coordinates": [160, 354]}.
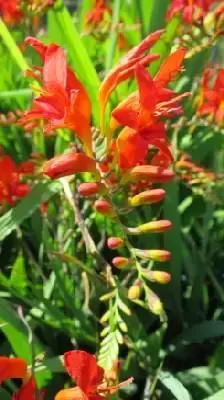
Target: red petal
{"type": "Point", "coordinates": [82, 367]}
{"type": "Point", "coordinates": [27, 391]}
{"type": "Point", "coordinates": [54, 69]}
{"type": "Point", "coordinates": [170, 67]}
{"type": "Point", "coordinates": [12, 368]}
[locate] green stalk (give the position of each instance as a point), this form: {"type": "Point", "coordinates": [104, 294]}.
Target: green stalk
{"type": "Point", "coordinates": [113, 35]}
{"type": "Point", "coordinates": [12, 46]}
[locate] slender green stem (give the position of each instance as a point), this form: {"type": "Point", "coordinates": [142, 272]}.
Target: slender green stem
{"type": "Point", "coordinates": [113, 35]}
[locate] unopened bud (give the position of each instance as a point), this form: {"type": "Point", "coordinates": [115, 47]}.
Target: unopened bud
{"type": "Point", "coordinates": [104, 208]}
{"type": "Point", "coordinates": [159, 255]}
{"type": "Point", "coordinates": [209, 23]}
{"type": "Point", "coordinates": [134, 292]}
{"type": "Point", "coordinates": [120, 262]}
{"type": "Point", "coordinates": [90, 188]}
{"type": "Point", "coordinates": [147, 197]}
{"type": "Point", "coordinates": [152, 173]}
{"type": "Point", "coordinates": [154, 303]}
{"type": "Point", "coordinates": [157, 276]}
{"type": "Point", "coordinates": [151, 227]}
{"type": "Point", "coordinates": [115, 243]}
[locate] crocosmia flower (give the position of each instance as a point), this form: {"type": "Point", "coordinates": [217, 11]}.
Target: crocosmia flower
{"type": "Point", "coordinates": [10, 11]}
{"type": "Point", "coordinates": [16, 368]}
{"type": "Point", "coordinates": [98, 13]}
{"type": "Point", "coordinates": [11, 187]}
{"type": "Point", "coordinates": [211, 100]}
{"type": "Point", "coordinates": [192, 10]}
{"type": "Point", "coordinates": [89, 378]}
{"type": "Point", "coordinates": [63, 102]}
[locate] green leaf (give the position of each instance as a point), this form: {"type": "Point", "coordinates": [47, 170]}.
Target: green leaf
{"type": "Point", "coordinates": [217, 396]}
{"type": "Point", "coordinates": [174, 386]}
{"type": "Point", "coordinates": [158, 14]}
{"type": "Point", "coordinates": [204, 331]}
{"type": "Point", "coordinates": [113, 35]}
{"type": "Point", "coordinates": [66, 35]}
{"type": "Point", "coordinates": [13, 218]}
{"type": "Point", "coordinates": [16, 94]}
{"type": "Point", "coordinates": [12, 47]}
{"type": "Point", "coordinates": [18, 278]}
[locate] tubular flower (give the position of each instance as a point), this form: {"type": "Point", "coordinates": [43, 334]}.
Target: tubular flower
{"type": "Point", "coordinates": [192, 10]}
{"type": "Point", "coordinates": [68, 164]}
{"type": "Point", "coordinates": [11, 186]}
{"type": "Point", "coordinates": [89, 377]}
{"type": "Point", "coordinates": [98, 13]}
{"type": "Point", "coordinates": [16, 368]}
{"type": "Point", "coordinates": [10, 11]}
{"type": "Point", "coordinates": [211, 101]}
{"type": "Point", "coordinates": [63, 103]}
{"type": "Point", "coordinates": [152, 100]}
{"type": "Point", "coordinates": [126, 69]}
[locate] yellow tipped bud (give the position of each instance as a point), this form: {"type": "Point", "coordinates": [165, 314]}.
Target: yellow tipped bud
{"type": "Point", "coordinates": [209, 23]}
{"type": "Point", "coordinates": [157, 276]}
{"type": "Point", "coordinates": [151, 227]}
{"type": "Point", "coordinates": [159, 255]}
{"type": "Point", "coordinates": [154, 303]}
{"type": "Point", "coordinates": [120, 262]}
{"type": "Point", "coordinates": [115, 243]}
{"type": "Point", "coordinates": [147, 197]}
{"type": "Point", "coordinates": [134, 292]}
{"type": "Point", "coordinates": [123, 326]}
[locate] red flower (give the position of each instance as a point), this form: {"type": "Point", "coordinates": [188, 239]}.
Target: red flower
{"type": "Point", "coordinates": [98, 13]}
{"type": "Point", "coordinates": [10, 184]}
{"type": "Point", "coordinates": [190, 9]}
{"type": "Point", "coordinates": [126, 69]}
{"type": "Point", "coordinates": [63, 103]}
{"type": "Point", "coordinates": [10, 11]}
{"type": "Point", "coordinates": [152, 100]}
{"type": "Point", "coordinates": [89, 377]}
{"type": "Point", "coordinates": [16, 368]}
{"type": "Point", "coordinates": [211, 101]}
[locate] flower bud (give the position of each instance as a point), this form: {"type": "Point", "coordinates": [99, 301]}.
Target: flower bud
{"type": "Point", "coordinates": [90, 188]}
{"type": "Point", "coordinates": [120, 262]}
{"type": "Point", "coordinates": [151, 227]}
{"type": "Point", "coordinates": [147, 197]}
{"type": "Point", "coordinates": [209, 23]}
{"type": "Point", "coordinates": [157, 276]}
{"type": "Point", "coordinates": [134, 292]}
{"type": "Point", "coordinates": [104, 208]}
{"type": "Point", "coordinates": [152, 173]}
{"type": "Point", "coordinates": [159, 255]}
{"type": "Point", "coordinates": [115, 243]}
{"type": "Point", "coordinates": [154, 303]}
{"type": "Point", "coordinates": [68, 164]}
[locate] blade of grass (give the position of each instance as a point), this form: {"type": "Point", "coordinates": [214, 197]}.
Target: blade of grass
{"type": "Point", "coordinates": [12, 46]}
{"type": "Point", "coordinates": [113, 35]}
{"type": "Point", "coordinates": [40, 194]}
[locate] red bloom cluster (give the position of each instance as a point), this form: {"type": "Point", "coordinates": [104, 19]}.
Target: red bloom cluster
{"type": "Point", "coordinates": [10, 11]}
{"type": "Point", "coordinates": [192, 10]}
{"type": "Point", "coordinates": [98, 13]}
{"type": "Point", "coordinates": [11, 187]}
{"type": "Point", "coordinates": [211, 101]}
{"type": "Point", "coordinates": [91, 380]}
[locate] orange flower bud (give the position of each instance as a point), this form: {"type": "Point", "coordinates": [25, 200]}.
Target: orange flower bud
{"type": "Point", "coordinates": [158, 276]}
{"type": "Point", "coordinates": [154, 303]}
{"type": "Point", "coordinates": [152, 173]}
{"type": "Point", "coordinates": [89, 188]}
{"type": "Point", "coordinates": [68, 164]}
{"type": "Point", "coordinates": [147, 197]}
{"type": "Point", "coordinates": [134, 292]}
{"type": "Point", "coordinates": [120, 262]}
{"type": "Point", "coordinates": [151, 227]}
{"type": "Point", "coordinates": [115, 243]}
{"type": "Point", "coordinates": [104, 208]}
